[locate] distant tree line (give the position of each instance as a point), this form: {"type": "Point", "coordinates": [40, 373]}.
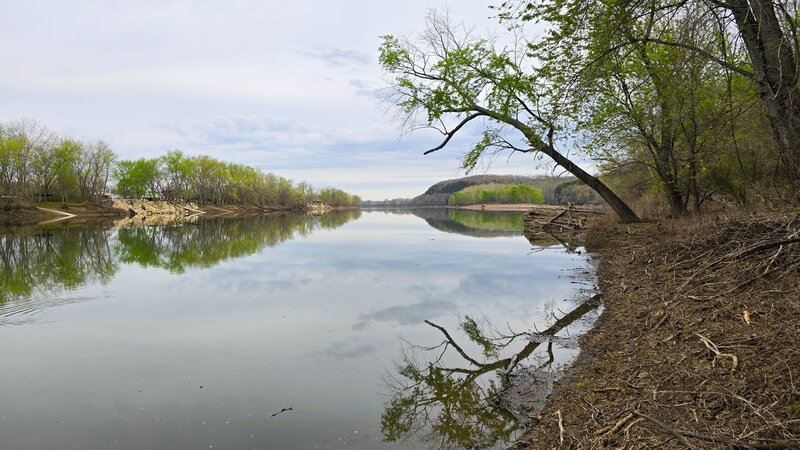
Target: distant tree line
{"type": "Point", "coordinates": [38, 165]}
{"type": "Point", "coordinates": [208, 181]}
{"type": "Point", "coordinates": [496, 194]}
{"type": "Point", "coordinates": [389, 202]}
{"type": "Point", "coordinates": [555, 190]}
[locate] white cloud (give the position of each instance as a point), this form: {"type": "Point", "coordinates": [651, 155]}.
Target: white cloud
{"type": "Point", "coordinates": [291, 87]}
{"type": "Point", "coordinates": [339, 58]}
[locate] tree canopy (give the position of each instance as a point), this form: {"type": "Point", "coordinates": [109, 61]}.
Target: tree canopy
{"type": "Point", "coordinates": [687, 101]}
{"type": "Point", "coordinates": [446, 76]}
{"type": "Point", "coordinates": [37, 164]}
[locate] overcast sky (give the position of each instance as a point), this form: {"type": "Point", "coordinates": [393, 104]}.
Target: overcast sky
{"type": "Point", "coordinates": [287, 86]}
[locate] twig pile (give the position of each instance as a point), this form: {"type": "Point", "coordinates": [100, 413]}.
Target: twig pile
{"type": "Point", "coordinates": [699, 345]}
{"type": "Point", "coordinates": [559, 218]}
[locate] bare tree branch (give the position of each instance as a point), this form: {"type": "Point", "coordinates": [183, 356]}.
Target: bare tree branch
{"type": "Point", "coordinates": [449, 135]}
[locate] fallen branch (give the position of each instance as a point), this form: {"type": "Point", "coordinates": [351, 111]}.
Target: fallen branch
{"type": "Point", "coordinates": [611, 429]}
{"type": "Point", "coordinates": [682, 435]}
{"type": "Point", "coordinates": [717, 354]}
{"type": "Point", "coordinates": [560, 427]}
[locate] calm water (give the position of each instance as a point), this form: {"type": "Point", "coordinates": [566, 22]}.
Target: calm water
{"type": "Point", "coordinates": [274, 332]}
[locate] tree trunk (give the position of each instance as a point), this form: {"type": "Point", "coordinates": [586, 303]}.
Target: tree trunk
{"type": "Point", "coordinates": [622, 209]}
{"type": "Point", "coordinates": [665, 168]}
{"type": "Point", "coordinates": [624, 212]}
{"type": "Point", "coordinates": [775, 68]}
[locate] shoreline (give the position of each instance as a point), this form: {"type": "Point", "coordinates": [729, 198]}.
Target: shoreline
{"type": "Point", "coordinates": [498, 207]}
{"type": "Point", "coordinates": [523, 207]}
{"type": "Point", "coordinates": [687, 350]}
{"type": "Point", "coordinates": [51, 212]}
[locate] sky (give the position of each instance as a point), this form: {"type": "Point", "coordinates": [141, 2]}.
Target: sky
{"type": "Point", "coordinates": [291, 87]}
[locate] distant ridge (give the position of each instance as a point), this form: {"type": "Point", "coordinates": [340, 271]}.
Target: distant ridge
{"type": "Point", "coordinates": [438, 194]}
{"type": "Point", "coordinates": [555, 189]}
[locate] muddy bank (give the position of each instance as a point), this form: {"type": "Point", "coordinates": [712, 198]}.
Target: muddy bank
{"type": "Point", "coordinates": [144, 211]}
{"type": "Point", "coordinates": [697, 347]}
{"type": "Point", "coordinates": [30, 214]}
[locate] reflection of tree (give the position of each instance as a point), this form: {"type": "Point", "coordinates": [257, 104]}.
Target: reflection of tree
{"type": "Point", "coordinates": [207, 242]}
{"type": "Point", "coordinates": [41, 260]}
{"type": "Point", "coordinates": [547, 238]}
{"type": "Point", "coordinates": [494, 224]}
{"type": "Point", "coordinates": [47, 259]}
{"type": "Point", "coordinates": [473, 223]}
{"type": "Point", "coordinates": [506, 221]}
{"type": "Point", "coordinates": [453, 405]}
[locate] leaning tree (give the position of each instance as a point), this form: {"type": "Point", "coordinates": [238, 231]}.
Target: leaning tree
{"type": "Point", "coordinates": [445, 79]}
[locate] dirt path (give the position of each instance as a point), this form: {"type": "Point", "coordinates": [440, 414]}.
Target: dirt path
{"type": "Point", "coordinates": [697, 347]}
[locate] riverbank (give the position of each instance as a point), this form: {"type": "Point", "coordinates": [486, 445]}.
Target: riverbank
{"type": "Point", "coordinates": [498, 207]}
{"type": "Point", "coordinates": [36, 213]}
{"type": "Point", "coordinates": [697, 346]}
{"type": "Point", "coordinates": [140, 209]}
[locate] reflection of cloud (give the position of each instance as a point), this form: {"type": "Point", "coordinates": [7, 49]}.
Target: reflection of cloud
{"type": "Point", "coordinates": [339, 58]}
{"type": "Point", "coordinates": [348, 351]}
{"type": "Point", "coordinates": [493, 285]}
{"type": "Point", "coordinates": [406, 314]}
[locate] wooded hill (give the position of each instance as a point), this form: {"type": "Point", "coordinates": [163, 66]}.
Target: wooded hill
{"type": "Point", "coordinates": [556, 190]}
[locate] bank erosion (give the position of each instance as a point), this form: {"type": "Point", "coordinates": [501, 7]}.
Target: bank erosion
{"type": "Point", "coordinates": [697, 347]}
{"type": "Point", "coordinates": [142, 208]}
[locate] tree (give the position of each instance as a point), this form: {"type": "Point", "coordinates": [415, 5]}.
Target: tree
{"type": "Point", "coordinates": [27, 138]}
{"type": "Point", "coordinates": [445, 74]}
{"type": "Point", "coordinates": [139, 178]}
{"type": "Point", "coordinates": [11, 154]}
{"type": "Point", "coordinates": [665, 109]}
{"type": "Point", "coordinates": [100, 159]}
{"type": "Point", "coordinates": [54, 165]}
{"type": "Point", "coordinates": [177, 171]}
{"type": "Point", "coordinates": [767, 30]}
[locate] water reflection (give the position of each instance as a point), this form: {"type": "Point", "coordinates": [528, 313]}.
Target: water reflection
{"type": "Point", "coordinates": [451, 399]}
{"type": "Point", "coordinates": [197, 338]}
{"type": "Point", "coordinates": [488, 224]}
{"type": "Point", "coordinates": [41, 261]}
{"type": "Point", "coordinates": [207, 242]}
{"type": "Point", "coordinates": [473, 223]}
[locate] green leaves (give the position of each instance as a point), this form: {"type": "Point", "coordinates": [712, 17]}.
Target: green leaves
{"type": "Point", "coordinates": [449, 74]}
{"type": "Point", "coordinates": [471, 159]}
{"type": "Point", "coordinates": [496, 194]}
{"type": "Point", "coordinates": [391, 55]}
{"type": "Point", "coordinates": [206, 180]}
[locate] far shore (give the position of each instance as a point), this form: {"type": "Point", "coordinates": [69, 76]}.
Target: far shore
{"type": "Point", "coordinates": [497, 207]}
{"type": "Point", "coordinates": [516, 207]}
{"type": "Point", "coordinates": [44, 212]}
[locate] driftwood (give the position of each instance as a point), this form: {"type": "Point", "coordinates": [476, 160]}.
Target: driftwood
{"type": "Point", "coordinates": [559, 217]}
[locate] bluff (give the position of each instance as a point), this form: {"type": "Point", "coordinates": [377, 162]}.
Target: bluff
{"type": "Point", "coordinates": [438, 194]}
{"type": "Point", "coordinates": [556, 190]}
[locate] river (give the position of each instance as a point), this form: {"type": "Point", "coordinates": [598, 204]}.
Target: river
{"type": "Point", "coordinates": [279, 332]}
